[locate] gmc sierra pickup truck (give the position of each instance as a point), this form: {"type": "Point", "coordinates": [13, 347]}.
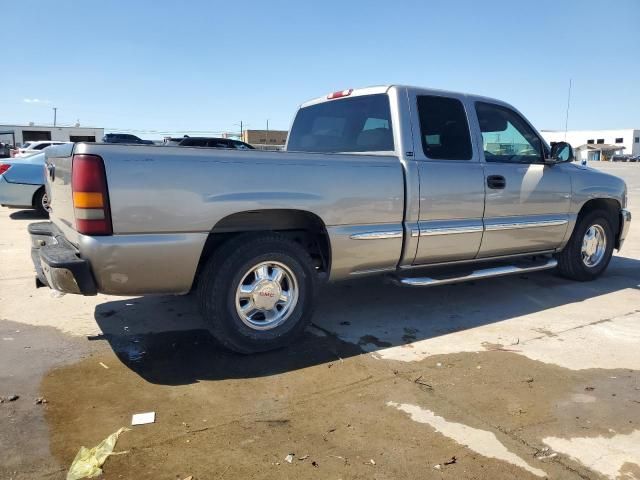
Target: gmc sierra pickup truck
{"type": "Point", "coordinates": [428, 187]}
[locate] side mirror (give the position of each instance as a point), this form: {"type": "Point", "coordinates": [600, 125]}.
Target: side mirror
{"type": "Point", "coordinates": [560, 152]}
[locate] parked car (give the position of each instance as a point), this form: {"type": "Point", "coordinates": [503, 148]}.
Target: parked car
{"type": "Point", "coordinates": [22, 183]}
{"type": "Point", "coordinates": [635, 158]}
{"type": "Point", "coordinates": [215, 143]}
{"type": "Point", "coordinates": [125, 138]}
{"type": "Point", "coordinates": [421, 185]}
{"type": "Point", "coordinates": [620, 158]}
{"type": "Point", "coordinates": [31, 148]}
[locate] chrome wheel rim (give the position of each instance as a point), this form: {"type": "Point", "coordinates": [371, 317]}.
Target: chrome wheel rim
{"type": "Point", "coordinates": [266, 295]}
{"type": "Point", "coordinates": [594, 245]}
{"type": "Point", "coordinates": [45, 202]}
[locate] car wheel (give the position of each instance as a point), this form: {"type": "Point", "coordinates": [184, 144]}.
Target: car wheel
{"type": "Point", "coordinates": [590, 247]}
{"type": "Point", "coordinates": [258, 292]}
{"type": "Point", "coordinates": [41, 202]}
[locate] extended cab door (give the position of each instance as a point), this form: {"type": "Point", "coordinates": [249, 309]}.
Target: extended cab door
{"type": "Point", "coordinates": [451, 179]}
{"type": "Point", "coordinates": [527, 202]}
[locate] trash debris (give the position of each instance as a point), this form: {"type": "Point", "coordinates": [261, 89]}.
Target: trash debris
{"type": "Point", "coordinates": [88, 461]}
{"type": "Point", "coordinates": [529, 380]}
{"type": "Point", "coordinates": [437, 467]}
{"type": "Point", "coordinates": [304, 457]}
{"type": "Point", "coordinates": [422, 382]}
{"type": "Point", "coordinates": [314, 463]}
{"type": "Point", "coordinates": [438, 364]}
{"type": "Point", "coordinates": [372, 461]}
{"type": "Point", "coordinates": [589, 389]}
{"type": "Point", "coordinates": [103, 365]}
{"type": "Point", "coordinates": [57, 294]}
{"type": "Point", "coordinates": [8, 339]}
{"type": "Point", "coordinates": [190, 477]}
{"type": "Point", "coordinates": [289, 458]}
{"type": "Point", "coordinates": [41, 400]}
{"type": "Point", "coordinates": [10, 398]}
{"type": "Point", "coordinates": [143, 418]}
{"type": "Point", "coordinates": [452, 461]}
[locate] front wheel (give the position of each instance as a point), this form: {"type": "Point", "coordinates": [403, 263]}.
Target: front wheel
{"type": "Point", "coordinates": [257, 292]}
{"type": "Point", "coordinates": [589, 249]}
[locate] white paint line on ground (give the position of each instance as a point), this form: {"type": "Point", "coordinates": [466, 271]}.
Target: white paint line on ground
{"type": "Point", "coordinates": [605, 455]}
{"type": "Point", "coordinates": [480, 441]}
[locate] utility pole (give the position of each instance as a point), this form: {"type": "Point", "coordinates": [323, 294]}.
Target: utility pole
{"type": "Point", "coordinates": [267, 135]}
{"type": "Point", "coordinates": [241, 136]}
{"type": "Point", "coordinates": [55, 115]}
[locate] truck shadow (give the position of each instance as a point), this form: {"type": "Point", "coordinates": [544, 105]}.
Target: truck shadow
{"type": "Point", "coordinates": [165, 341]}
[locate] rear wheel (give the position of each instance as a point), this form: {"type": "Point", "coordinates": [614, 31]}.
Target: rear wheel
{"type": "Point", "coordinates": [257, 292]}
{"type": "Point", "coordinates": [41, 202]}
{"type": "Point", "coordinates": [590, 247]}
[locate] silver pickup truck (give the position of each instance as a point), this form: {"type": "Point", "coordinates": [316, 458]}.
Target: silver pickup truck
{"type": "Point", "coordinates": [428, 187]}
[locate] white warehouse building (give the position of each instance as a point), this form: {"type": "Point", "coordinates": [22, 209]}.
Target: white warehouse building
{"type": "Point", "coordinates": [19, 134]}
{"type": "Point", "coordinates": [594, 145]}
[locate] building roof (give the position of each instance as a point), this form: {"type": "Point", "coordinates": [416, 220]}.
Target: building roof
{"type": "Point", "coordinates": [603, 147]}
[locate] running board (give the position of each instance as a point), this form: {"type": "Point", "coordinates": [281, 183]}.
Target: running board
{"type": "Point", "coordinates": [475, 275]}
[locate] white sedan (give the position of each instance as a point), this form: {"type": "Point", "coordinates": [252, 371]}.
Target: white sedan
{"type": "Point", "coordinates": [31, 148]}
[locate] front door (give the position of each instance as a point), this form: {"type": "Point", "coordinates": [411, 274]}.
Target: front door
{"type": "Point", "coordinates": [451, 180]}
{"type": "Point", "coordinates": [527, 202]}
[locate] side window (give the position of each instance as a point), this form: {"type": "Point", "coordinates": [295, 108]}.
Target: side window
{"type": "Point", "coordinates": [506, 137]}
{"type": "Point", "coordinates": [444, 129]}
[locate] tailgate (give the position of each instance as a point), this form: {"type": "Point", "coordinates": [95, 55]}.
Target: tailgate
{"type": "Point", "coordinates": [58, 186]}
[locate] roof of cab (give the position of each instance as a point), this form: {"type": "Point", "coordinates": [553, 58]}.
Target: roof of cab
{"type": "Point", "coordinates": [377, 89]}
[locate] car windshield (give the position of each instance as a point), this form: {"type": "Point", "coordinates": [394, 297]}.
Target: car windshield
{"type": "Point", "coordinates": [26, 145]}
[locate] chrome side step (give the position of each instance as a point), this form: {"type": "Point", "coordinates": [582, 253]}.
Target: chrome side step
{"type": "Point", "coordinates": [475, 275]}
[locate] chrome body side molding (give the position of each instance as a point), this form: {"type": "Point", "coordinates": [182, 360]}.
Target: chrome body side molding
{"type": "Point", "coordinates": [525, 224]}
{"type": "Point", "coordinates": [377, 235]}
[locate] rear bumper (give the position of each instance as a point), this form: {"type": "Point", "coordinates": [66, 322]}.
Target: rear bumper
{"type": "Point", "coordinates": [625, 223]}
{"type": "Point", "coordinates": [58, 263]}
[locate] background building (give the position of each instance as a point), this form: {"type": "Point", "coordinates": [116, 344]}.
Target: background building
{"type": "Point", "coordinates": [597, 144]}
{"type": "Point", "coordinates": [265, 139]}
{"type": "Point", "coordinates": [19, 134]}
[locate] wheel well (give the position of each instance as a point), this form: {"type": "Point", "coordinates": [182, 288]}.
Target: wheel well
{"type": "Point", "coordinates": [611, 206]}
{"type": "Point", "coordinates": [301, 226]}
{"type": "Point", "coordinates": [35, 194]}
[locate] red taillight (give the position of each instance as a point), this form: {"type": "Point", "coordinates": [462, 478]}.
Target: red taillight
{"type": "Point", "coordinates": [340, 94]}
{"type": "Point", "coordinates": [90, 197]}
{"type": "Point", "coordinates": [4, 167]}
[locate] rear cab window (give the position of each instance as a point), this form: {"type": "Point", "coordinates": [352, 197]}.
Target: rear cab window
{"type": "Point", "coordinates": [444, 129]}
{"type": "Point", "coordinates": [353, 124]}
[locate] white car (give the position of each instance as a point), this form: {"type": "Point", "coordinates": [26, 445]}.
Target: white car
{"type": "Point", "coordinates": [31, 148]}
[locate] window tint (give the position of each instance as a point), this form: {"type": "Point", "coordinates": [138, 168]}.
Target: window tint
{"type": "Point", "coordinates": [619, 140]}
{"type": "Point", "coordinates": [590, 142]}
{"type": "Point", "coordinates": [600, 141]}
{"type": "Point", "coordinates": [357, 124]}
{"type": "Point", "coordinates": [506, 137]}
{"type": "Point", "coordinates": [42, 146]}
{"type": "Point", "coordinates": [444, 129]}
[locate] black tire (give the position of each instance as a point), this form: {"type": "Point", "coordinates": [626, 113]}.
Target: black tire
{"type": "Point", "coordinates": [38, 203]}
{"type": "Point", "coordinates": [225, 270]}
{"type": "Point", "coordinates": [570, 261]}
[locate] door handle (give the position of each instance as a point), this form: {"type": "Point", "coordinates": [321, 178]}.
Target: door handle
{"type": "Point", "coordinates": [497, 182]}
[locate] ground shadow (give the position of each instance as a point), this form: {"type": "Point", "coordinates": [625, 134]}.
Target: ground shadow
{"type": "Point", "coordinates": [27, 215]}
{"type": "Point", "coordinates": [165, 341]}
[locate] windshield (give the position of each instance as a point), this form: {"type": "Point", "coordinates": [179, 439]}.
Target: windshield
{"type": "Point", "coordinates": [357, 124]}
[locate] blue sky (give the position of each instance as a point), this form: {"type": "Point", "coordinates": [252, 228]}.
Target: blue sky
{"type": "Point", "coordinates": [205, 65]}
